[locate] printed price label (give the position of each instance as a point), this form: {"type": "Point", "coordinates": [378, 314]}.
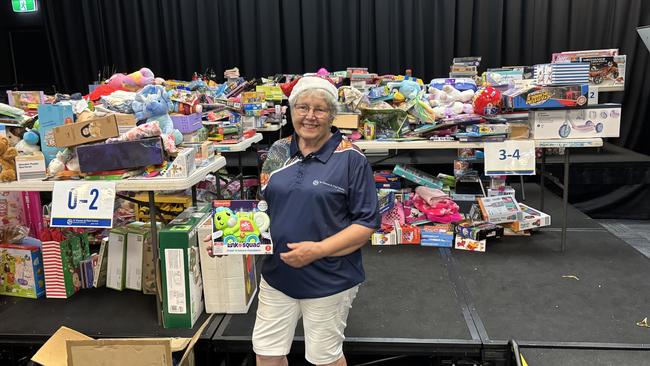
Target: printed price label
{"type": "Point", "coordinates": [513, 157]}
{"type": "Point", "coordinates": [83, 204]}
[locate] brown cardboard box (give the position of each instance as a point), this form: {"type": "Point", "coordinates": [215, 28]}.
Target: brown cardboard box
{"type": "Point", "coordinates": [69, 347]}
{"type": "Point", "coordinates": [30, 166]}
{"type": "Point", "coordinates": [347, 121]}
{"type": "Point", "coordinates": [96, 129]}
{"type": "Point", "coordinates": [125, 122]}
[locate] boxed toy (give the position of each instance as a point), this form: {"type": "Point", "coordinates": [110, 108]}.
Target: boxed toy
{"type": "Point", "coordinates": [602, 120]}
{"type": "Point", "coordinates": [124, 155]}
{"type": "Point", "coordinates": [499, 209]}
{"type": "Point", "coordinates": [25, 100]}
{"type": "Point", "coordinates": [141, 232]}
{"type": "Point", "coordinates": [241, 227]}
{"type": "Point", "coordinates": [418, 176]}
{"type": "Point", "coordinates": [571, 56]}
{"type": "Point", "coordinates": [96, 129]}
{"type": "Point", "coordinates": [229, 282]}
{"type": "Point", "coordinates": [30, 166]}
{"type": "Point", "coordinates": [478, 230]}
{"type": "Point", "coordinates": [49, 117]}
{"type": "Point", "coordinates": [183, 165]}
{"type": "Point", "coordinates": [21, 271]}
{"type": "Point", "coordinates": [606, 70]}
{"type": "Point", "coordinates": [438, 235]}
{"type": "Point", "coordinates": [170, 205]}
{"type": "Point", "coordinates": [116, 259]}
{"type": "Point", "coordinates": [469, 244]}
{"type": "Point", "coordinates": [562, 73]}
{"type": "Point", "coordinates": [407, 234]}
{"type": "Point", "coordinates": [384, 238]}
{"type": "Point", "coordinates": [182, 288]}
{"type": "Point", "coordinates": [546, 97]}
{"type": "Point", "coordinates": [125, 122]}
{"type": "Point", "coordinates": [530, 218]}
{"type": "Point", "coordinates": [506, 191]}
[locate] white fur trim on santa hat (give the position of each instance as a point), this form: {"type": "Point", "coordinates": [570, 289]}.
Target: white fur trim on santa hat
{"type": "Point", "coordinates": [313, 82]}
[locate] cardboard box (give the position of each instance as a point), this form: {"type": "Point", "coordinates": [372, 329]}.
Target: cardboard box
{"type": "Point", "coordinates": [133, 262]}
{"type": "Point", "coordinates": [384, 238]}
{"type": "Point", "coordinates": [67, 347]}
{"type": "Point", "coordinates": [229, 282]}
{"type": "Point", "coordinates": [518, 130]}
{"type": "Point", "coordinates": [96, 129]}
{"type": "Point", "coordinates": [530, 218]}
{"type": "Point", "coordinates": [22, 271]}
{"type": "Point", "coordinates": [547, 97]}
{"type": "Point", "coordinates": [116, 266]}
{"type": "Point", "coordinates": [30, 166]}
{"type": "Point", "coordinates": [441, 235]}
{"type": "Point", "coordinates": [174, 204]}
{"type": "Point", "coordinates": [49, 117]}
{"type": "Point", "coordinates": [241, 227]}
{"type": "Point", "coordinates": [141, 231]}
{"type": "Point", "coordinates": [346, 121]}
{"type": "Point", "coordinates": [123, 155]}
{"type": "Point", "coordinates": [603, 120]}
{"type": "Point", "coordinates": [182, 286]}
{"type": "Point", "coordinates": [499, 209]}
{"type": "Point", "coordinates": [469, 244]}
{"type": "Point", "coordinates": [183, 165]}
{"type": "Point", "coordinates": [125, 122]}
{"type": "Point", "coordinates": [478, 230]}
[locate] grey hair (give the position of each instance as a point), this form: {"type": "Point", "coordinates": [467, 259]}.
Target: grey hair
{"type": "Point", "coordinates": [329, 98]}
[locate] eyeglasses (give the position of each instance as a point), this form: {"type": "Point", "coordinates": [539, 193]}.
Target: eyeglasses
{"type": "Point", "coordinates": [303, 110]}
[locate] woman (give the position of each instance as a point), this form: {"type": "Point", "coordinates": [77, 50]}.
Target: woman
{"type": "Point", "coordinates": [323, 207]}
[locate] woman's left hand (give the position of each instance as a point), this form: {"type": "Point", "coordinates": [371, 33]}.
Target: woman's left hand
{"type": "Point", "coordinates": [302, 254]}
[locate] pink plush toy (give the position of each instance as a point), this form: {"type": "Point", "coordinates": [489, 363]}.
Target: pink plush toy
{"type": "Point", "coordinates": [133, 81]}
{"type": "Point", "coordinates": [145, 130]}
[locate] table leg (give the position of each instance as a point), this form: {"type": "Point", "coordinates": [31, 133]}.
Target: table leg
{"type": "Point", "coordinates": [565, 196]}
{"type": "Point", "coordinates": [194, 196]}
{"type": "Point", "coordinates": [521, 183]}
{"type": "Point", "coordinates": [541, 180]}
{"type": "Point", "coordinates": [156, 253]}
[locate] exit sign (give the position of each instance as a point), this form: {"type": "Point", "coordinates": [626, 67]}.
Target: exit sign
{"type": "Point", "coordinates": [24, 6]}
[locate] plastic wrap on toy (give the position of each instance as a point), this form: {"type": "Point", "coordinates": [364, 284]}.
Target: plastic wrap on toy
{"type": "Point", "coordinates": [458, 83]}
{"type": "Point", "coordinates": [388, 122]}
{"type": "Point", "coordinates": [431, 195]}
{"type": "Point", "coordinates": [13, 234]}
{"type": "Point", "coordinates": [422, 111]}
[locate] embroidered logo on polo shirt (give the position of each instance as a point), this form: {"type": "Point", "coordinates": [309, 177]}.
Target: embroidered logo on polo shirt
{"type": "Point", "coordinates": [317, 182]}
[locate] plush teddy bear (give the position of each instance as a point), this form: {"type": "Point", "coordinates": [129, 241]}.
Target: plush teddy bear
{"type": "Point", "coordinates": [7, 160]}
{"type": "Point", "coordinates": [133, 81]}
{"type": "Point", "coordinates": [152, 103]}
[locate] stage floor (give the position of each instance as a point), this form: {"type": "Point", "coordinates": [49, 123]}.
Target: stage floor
{"type": "Point", "coordinates": [429, 301]}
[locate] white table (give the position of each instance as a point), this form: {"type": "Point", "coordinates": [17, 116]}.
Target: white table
{"type": "Point", "coordinates": [274, 127]}
{"type": "Point", "coordinates": [546, 143]}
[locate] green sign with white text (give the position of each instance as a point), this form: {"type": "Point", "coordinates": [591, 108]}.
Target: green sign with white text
{"type": "Point", "coordinates": [24, 6]}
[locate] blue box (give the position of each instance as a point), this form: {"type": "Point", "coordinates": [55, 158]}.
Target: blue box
{"type": "Point", "coordinates": [540, 97]}
{"type": "Point", "coordinates": [21, 271]}
{"type": "Point", "coordinates": [120, 155]}
{"type": "Point", "coordinates": [50, 116]}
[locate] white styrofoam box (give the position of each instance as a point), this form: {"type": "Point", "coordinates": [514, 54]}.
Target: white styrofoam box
{"type": "Point", "coordinates": [602, 120]}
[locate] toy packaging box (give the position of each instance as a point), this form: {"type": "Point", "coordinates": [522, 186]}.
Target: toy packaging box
{"type": "Point", "coordinates": [440, 235]}
{"type": "Point", "coordinates": [92, 130]}
{"type": "Point", "coordinates": [30, 166]}
{"type": "Point", "coordinates": [21, 271]}
{"type": "Point", "coordinates": [182, 285]}
{"type": "Point", "coordinates": [229, 281]}
{"type": "Point", "coordinates": [469, 244]}
{"type": "Point", "coordinates": [140, 232]}
{"type": "Point", "coordinates": [116, 265]}
{"type": "Point", "coordinates": [562, 73]}
{"type": "Point", "coordinates": [49, 117]}
{"type": "Point", "coordinates": [478, 230]}
{"type": "Point", "coordinates": [241, 227]}
{"type": "Point", "coordinates": [124, 155]}
{"type": "Point", "coordinates": [606, 70]}
{"type": "Point", "coordinates": [602, 120]}
{"type": "Point", "coordinates": [546, 97]}
{"type": "Point", "coordinates": [530, 218]}
{"type": "Point", "coordinates": [499, 209]}
{"type": "Point", "coordinates": [183, 165]}
{"type": "Point", "coordinates": [417, 176]}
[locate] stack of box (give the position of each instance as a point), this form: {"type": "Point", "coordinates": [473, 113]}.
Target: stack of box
{"type": "Point", "coordinates": [464, 67]}
{"type": "Point", "coordinates": [562, 73]}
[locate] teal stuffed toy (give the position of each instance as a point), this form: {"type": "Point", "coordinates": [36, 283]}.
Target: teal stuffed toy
{"type": "Point", "coordinates": [152, 103]}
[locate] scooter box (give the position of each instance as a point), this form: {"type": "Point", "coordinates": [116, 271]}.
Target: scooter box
{"type": "Point", "coordinates": [602, 120]}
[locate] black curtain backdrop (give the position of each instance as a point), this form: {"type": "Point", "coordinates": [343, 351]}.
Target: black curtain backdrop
{"type": "Point", "coordinates": [264, 37]}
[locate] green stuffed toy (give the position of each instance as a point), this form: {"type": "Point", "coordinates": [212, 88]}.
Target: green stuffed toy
{"type": "Point", "coordinates": [240, 227]}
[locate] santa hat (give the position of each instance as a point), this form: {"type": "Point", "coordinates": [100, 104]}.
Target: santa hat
{"type": "Point", "coordinates": [313, 82]}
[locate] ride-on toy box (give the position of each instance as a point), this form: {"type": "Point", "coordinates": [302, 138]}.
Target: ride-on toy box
{"type": "Point", "coordinates": [603, 120]}
{"type": "Point", "coordinates": [546, 97]}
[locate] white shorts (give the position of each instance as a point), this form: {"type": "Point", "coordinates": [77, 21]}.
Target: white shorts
{"type": "Point", "coordinates": [324, 321]}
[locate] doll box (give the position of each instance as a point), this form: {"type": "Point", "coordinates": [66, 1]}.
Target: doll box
{"type": "Point", "coordinates": [182, 285]}
{"type": "Point", "coordinates": [30, 166]}
{"type": "Point", "coordinates": [22, 271]}
{"type": "Point", "coordinates": [241, 227]}
{"type": "Point", "coordinates": [229, 281]}
{"type": "Point", "coordinates": [603, 120]}
{"type": "Point", "coordinates": [120, 155]}
{"type": "Point", "coordinates": [96, 129]}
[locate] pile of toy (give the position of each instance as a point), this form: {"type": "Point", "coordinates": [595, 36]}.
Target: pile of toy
{"type": "Point", "coordinates": [429, 214]}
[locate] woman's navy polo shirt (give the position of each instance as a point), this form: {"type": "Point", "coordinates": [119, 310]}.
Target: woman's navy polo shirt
{"type": "Point", "coordinates": [311, 198]}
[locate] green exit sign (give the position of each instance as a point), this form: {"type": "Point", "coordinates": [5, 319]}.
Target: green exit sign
{"type": "Point", "coordinates": [24, 6]}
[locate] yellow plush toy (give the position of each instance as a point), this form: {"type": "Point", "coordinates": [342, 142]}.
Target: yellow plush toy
{"type": "Point", "coordinates": [7, 160]}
